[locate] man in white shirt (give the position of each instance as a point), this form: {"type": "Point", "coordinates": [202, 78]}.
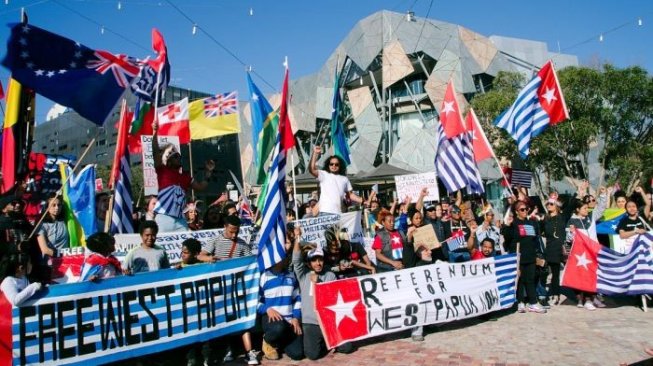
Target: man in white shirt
{"type": "Point", "coordinates": [334, 184]}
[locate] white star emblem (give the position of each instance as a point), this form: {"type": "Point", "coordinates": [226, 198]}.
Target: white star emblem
{"type": "Point", "coordinates": [448, 107]}
{"type": "Point", "coordinates": [29, 65]}
{"type": "Point", "coordinates": [254, 98]}
{"type": "Point", "coordinates": [22, 41]}
{"type": "Point", "coordinates": [24, 54]}
{"type": "Point", "coordinates": [73, 65]}
{"type": "Point", "coordinates": [549, 95]}
{"type": "Point", "coordinates": [39, 72]}
{"type": "Point", "coordinates": [62, 71]}
{"type": "Point", "coordinates": [614, 227]}
{"type": "Point", "coordinates": [582, 260]}
{"type": "Point", "coordinates": [50, 74]}
{"type": "Point", "coordinates": [343, 309]}
{"type": "Point", "coordinates": [26, 28]}
{"type": "Point", "coordinates": [396, 239]}
{"type": "Point", "coordinates": [78, 54]}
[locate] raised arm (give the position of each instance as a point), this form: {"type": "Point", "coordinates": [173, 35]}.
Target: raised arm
{"type": "Point", "coordinates": [156, 151]}
{"type": "Point", "coordinates": [420, 199]}
{"type": "Point", "coordinates": [209, 166]}
{"type": "Point", "coordinates": [312, 166]}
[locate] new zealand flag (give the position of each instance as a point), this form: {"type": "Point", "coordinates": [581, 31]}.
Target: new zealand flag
{"type": "Point", "coordinates": [67, 72]}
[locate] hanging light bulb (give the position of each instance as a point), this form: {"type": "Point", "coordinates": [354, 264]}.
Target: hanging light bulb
{"type": "Point", "coordinates": [601, 38]}
{"type": "Point", "coordinates": [639, 21]}
{"type": "Point", "coordinates": [102, 30]}
{"type": "Point", "coordinates": [194, 29]}
{"type": "Point", "coordinates": [251, 11]}
{"type": "Point", "coordinates": [119, 5]}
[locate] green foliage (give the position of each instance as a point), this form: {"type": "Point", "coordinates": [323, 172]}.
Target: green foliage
{"type": "Point", "coordinates": [611, 109]}
{"type": "Point", "coordinates": [103, 171]}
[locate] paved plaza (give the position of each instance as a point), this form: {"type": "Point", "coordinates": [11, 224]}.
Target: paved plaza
{"type": "Point", "coordinates": [616, 335]}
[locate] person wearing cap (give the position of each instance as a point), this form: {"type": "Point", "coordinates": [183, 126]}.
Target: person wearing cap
{"type": "Point", "coordinates": [173, 184]}
{"type": "Point", "coordinates": [334, 184]}
{"type": "Point", "coordinates": [554, 232]}
{"type": "Point", "coordinates": [456, 223]}
{"type": "Point", "coordinates": [308, 264]}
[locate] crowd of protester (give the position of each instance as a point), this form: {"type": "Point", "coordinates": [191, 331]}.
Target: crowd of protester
{"type": "Point", "coordinates": [467, 229]}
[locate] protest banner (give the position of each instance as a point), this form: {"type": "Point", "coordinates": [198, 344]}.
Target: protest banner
{"type": "Point", "coordinates": [91, 323]}
{"type": "Point", "coordinates": [352, 222]}
{"type": "Point", "coordinates": [425, 235]}
{"type": "Point", "coordinates": [411, 185]}
{"type": "Point", "coordinates": [150, 184]}
{"type": "Point", "coordinates": [67, 267]}
{"type": "Point", "coordinates": [313, 228]}
{"type": "Point", "coordinates": [371, 254]}
{"type": "Point", "coordinates": [373, 305]}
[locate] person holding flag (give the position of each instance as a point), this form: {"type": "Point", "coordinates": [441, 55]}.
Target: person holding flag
{"type": "Point", "coordinates": [173, 184]}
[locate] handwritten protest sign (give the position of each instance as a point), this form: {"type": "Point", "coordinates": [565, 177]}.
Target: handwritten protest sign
{"type": "Point", "coordinates": [367, 306]}
{"type": "Point", "coordinates": [411, 185]}
{"type": "Point", "coordinates": [149, 173]}
{"type": "Point", "coordinates": [352, 222]}
{"type": "Point", "coordinates": [313, 228]}
{"type": "Point", "coordinates": [425, 236]}
{"type": "Point", "coordinates": [90, 323]}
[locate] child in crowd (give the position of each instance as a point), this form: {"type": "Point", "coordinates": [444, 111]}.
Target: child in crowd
{"type": "Point", "coordinates": [149, 256]}
{"type": "Point", "coordinates": [280, 311]}
{"type": "Point", "coordinates": [190, 249]}
{"type": "Point", "coordinates": [15, 285]}
{"type": "Point", "coordinates": [100, 263]}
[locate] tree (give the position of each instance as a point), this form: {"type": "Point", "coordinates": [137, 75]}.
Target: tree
{"type": "Point", "coordinates": [103, 171]}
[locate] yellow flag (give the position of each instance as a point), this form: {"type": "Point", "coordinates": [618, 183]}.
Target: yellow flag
{"type": "Point", "coordinates": [214, 116]}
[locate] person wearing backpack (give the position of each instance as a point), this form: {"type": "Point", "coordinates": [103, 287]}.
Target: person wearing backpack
{"type": "Point", "coordinates": [389, 244]}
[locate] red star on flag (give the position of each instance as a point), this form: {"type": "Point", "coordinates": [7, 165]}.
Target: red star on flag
{"type": "Point", "coordinates": [582, 265]}
{"type": "Point", "coordinates": [341, 311]}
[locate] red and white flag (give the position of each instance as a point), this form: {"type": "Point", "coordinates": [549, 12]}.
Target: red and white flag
{"type": "Point", "coordinates": [173, 120]}
{"type": "Point", "coordinates": [480, 144]}
{"type": "Point", "coordinates": [581, 267]}
{"type": "Point", "coordinates": [450, 116]}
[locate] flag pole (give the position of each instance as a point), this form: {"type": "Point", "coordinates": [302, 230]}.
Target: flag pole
{"type": "Point", "coordinates": [292, 162]}
{"type": "Point", "coordinates": [190, 158]}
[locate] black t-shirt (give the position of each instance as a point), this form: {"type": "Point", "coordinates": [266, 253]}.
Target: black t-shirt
{"type": "Point", "coordinates": [628, 224]}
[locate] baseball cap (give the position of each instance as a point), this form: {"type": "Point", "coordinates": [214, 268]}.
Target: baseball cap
{"type": "Point", "coordinates": [317, 252]}
{"type": "Point", "coordinates": [429, 207]}
{"type": "Point", "coordinates": [454, 209]}
{"type": "Point", "coordinates": [445, 199]}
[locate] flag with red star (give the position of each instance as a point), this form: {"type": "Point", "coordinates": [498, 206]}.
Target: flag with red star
{"type": "Point", "coordinates": [450, 117]}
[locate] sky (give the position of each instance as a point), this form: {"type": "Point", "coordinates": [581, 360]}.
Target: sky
{"type": "Point", "coordinates": [233, 35]}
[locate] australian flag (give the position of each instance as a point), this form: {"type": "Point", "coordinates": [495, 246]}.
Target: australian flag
{"type": "Point", "coordinates": [67, 72]}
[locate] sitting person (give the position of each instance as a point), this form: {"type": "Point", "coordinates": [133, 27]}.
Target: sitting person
{"type": "Point", "coordinates": [15, 285]}
{"type": "Point", "coordinates": [100, 263]}
{"type": "Point", "coordinates": [344, 258]}
{"type": "Point", "coordinates": [280, 310]}
{"type": "Point", "coordinates": [148, 257]}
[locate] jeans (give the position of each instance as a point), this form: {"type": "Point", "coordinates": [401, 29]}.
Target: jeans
{"type": "Point", "coordinates": [279, 334]}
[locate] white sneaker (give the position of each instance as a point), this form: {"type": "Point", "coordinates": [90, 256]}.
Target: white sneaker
{"type": "Point", "coordinates": [228, 357]}
{"type": "Point", "coordinates": [536, 308]}
{"type": "Point", "coordinates": [579, 305]}
{"type": "Point", "coordinates": [521, 307]}
{"type": "Point", "coordinates": [251, 358]}
{"type": "Point", "coordinates": [589, 306]}
{"type": "Point", "coordinates": [598, 303]}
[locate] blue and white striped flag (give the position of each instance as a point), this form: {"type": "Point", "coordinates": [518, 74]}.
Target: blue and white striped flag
{"type": "Point", "coordinates": [474, 181]}
{"type": "Point", "coordinates": [630, 274]}
{"type": "Point", "coordinates": [505, 267]}
{"type": "Point", "coordinates": [271, 248]}
{"type": "Point", "coordinates": [449, 162]}
{"type": "Point", "coordinates": [121, 217]}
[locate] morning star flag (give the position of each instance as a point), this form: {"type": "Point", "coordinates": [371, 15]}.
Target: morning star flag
{"type": "Point", "coordinates": [214, 116]}
{"type": "Point", "coordinates": [173, 120]}
{"type": "Point", "coordinates": [271, 248]}
{"type": "Point", "coordinates": [120, 179]}
{"type": "Point", "coordinates": [592, 267]}
{"type": "Point", "coordinates": [474, 181]}
{"type": "Point", "coordinates": [373, 305]}
{"type": "Point", "coordinates": [79, 201]}
{"type": "Point", "coordinates": [450, 162]}
{"type": "Point", "coordinates": [538, 105]}
{"type": "Point", "coordinates": [67, 72]}
{"type": "Point", "coordinates": [338, 139]}
{"type": "Point", "coordinates": [265, 121]}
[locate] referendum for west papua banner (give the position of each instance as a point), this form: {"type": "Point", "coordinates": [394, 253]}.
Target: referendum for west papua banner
{"type": "Point", "coordinates": [90, 323]}
{"type": "Point", "coordinates": [368, 306]}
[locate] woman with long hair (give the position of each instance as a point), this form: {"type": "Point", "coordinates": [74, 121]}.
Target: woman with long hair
{"type": "Point", "coordinates": [553, 230]}
{"type": "Point", "coordinates": [52, 237]}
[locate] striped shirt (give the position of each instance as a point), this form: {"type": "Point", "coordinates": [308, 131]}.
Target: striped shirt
{"type": "Point", "coordinates": [224, 248]}
{"type": "Point", "coordinates": [280, 291]}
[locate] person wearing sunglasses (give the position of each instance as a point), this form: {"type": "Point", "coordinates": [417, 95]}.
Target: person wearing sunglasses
{"type": "Point", "coordinates": [522, 235]}
{"type": "Point", "coordinates": [553, 230]}
{"type": "Point", "coordinates": [334, 184]}
{"type": "Point", "coordinates": [585, 222]}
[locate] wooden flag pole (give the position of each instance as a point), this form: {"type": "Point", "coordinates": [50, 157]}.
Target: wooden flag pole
{"type": "Point", "coordinates": [190, 158]}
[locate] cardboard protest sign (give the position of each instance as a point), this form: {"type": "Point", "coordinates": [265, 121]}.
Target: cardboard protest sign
{"type": "Point", "coordinates": [91, 323]}
{"type": "Point", "coordinates": [150, 184]}
{"type": "Point", "coordinates": [425, 236]}
{"type": "Point", "coordinates": [411, 185]}
{"type": "Point", "coordinates": [373, 305]}
{"type": "Point", "coordinates": [313, 228]}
